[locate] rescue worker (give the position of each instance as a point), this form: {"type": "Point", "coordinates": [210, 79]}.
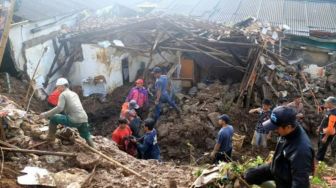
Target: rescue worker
{"type": "Point", "coordinates": [326, 129]}
{"type": "Point", "coordinates": [75, 115]}
{"type": "Point", "coordinates": [223, 148]}
{"type": "Point", "coordinates": [140, 95]}
{"type": "Point", "coordinates": [260, 136]}
{"type": "Point", "coordinates": [161, 94]}
{"type": "Point", "coordinates": [129, 113]}
{"type": "Point", "coordinates": [292, 163]}
{"type": "Point", "coordinates": [122, 136]}
{"type": "Point", "coordinates": [148, 145]}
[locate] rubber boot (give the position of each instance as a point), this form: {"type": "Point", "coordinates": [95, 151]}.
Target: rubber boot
{"type": "Point", "coordinates": [90, 142]}
{"type": "Point", "coordinates": [52, 132]}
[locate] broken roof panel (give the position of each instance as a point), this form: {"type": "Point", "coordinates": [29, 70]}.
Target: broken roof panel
{"type": "Point", "coordinates": [35, 10]}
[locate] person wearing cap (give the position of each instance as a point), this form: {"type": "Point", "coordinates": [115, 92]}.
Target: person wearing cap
{"type": "Point", "coordinates": [75, 115]}
{"type": "Point", "coordinates": [326, 129]}
{"type": "Point", "coordinates": [161, 95]}
{"type": "Point", "coordinates": [148, 146]}
{"type": "Point", "coordinates": [128, 112]}
{"type": "Point", "coordinates": [140, 94]}
{"type": "Point", "coordinates": [293, 159]}
{"type": "Point", "coordinates": [260, 135]}
{"type": "Point", "coordinates": [223, 147]}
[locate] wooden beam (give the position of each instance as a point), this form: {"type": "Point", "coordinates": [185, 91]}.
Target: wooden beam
{"type": "Point", "coordinates": [242, 69]}
{"type": "Point", "coordinates": [6, 27]}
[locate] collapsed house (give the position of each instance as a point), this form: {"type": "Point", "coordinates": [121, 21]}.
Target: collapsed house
{"type": "Point", "coordinates": [99, 50]}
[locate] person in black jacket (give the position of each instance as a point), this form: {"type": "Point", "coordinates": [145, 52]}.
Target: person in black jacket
{"type": "Point", "coordinates": [326, 130]}
{"type": "Point", "coordinates": [293, 159]}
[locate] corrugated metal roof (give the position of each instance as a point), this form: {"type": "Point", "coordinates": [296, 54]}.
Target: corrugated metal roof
{"type": "Point", "coordinates": [300, 15]}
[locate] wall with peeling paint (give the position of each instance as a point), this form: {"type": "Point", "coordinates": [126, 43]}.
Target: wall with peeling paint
{"type": "Point", "coordinates": [107, 62]}
{"type": "Point", "coordinates": [21, 33]}
{"type": "Point", "coordinates": [97, 60]}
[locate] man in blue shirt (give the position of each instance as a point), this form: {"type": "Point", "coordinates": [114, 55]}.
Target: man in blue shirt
{"type": "Point", "coordinates": [161, 94]}
{"type": "Point", "coordinates": [149, 148]}
{"type": "Point", "coordinates": [223, 148]}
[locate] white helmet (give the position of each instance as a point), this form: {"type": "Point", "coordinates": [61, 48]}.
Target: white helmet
{"type": "Point", "coordinates": [61, 82]}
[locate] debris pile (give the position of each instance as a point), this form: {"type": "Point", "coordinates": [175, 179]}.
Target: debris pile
{"type": "Point", "coordinates": [194, 133]}
{"type": "Point", "coordinates": [70, 162]}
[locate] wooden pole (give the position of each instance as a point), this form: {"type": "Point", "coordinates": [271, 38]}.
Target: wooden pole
{"type": "Point", "coordinates": [112, 161]}
{"type": "Point", "coordinates": [6, 26]}
{"type": "Point", "coordinates": [39, 152]}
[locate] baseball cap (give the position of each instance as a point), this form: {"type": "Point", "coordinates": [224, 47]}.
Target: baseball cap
{"type": "Point", "coordinates": [133, 104]}
{"type": "Point", "coordinates": [156, 70]}
{"type": "Point", "coordinates": [61, 82]}
{"type": "Point", "coordinates": [225, 118]}
{"type": "Point", "coordinates": [330, 99]}
{"type": "Point", "coordinates": [139, 81]}
{"type": "Point", "coordinates": [281, 115]}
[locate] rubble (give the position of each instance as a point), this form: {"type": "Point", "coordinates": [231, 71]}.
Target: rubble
{"type": "Point", "coordinates": [74, 172]}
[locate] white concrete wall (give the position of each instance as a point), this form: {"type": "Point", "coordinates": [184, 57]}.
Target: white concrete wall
{"type": "Point", "coordinates": [97, 60]}
{"type": "Point", "coordinates": [107, 62]}
{"type": "Point", "coordinates": [21, 33]}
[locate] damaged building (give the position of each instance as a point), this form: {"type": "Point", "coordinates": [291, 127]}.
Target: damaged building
{"type": "Point", "coordinates": [222, 56]}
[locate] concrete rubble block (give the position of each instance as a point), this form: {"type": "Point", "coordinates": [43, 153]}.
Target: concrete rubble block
{"type": "Point", "coordinates": [213, 118]}
{"type": "Point", "coordinates": [70, 178]}
{"type": "Point", "coordinates": [87, 160]}
{"type": "Point", "coordinates": [332, 79]}
{"type": "Point", "coordinates": [201, 86]}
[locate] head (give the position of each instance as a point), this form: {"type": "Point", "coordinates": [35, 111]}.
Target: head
{"type": "Point", "coordinates": [157, 72]}
{"type": "Point", "coordinates": [133, 105]}
{"type": "Point", "coordinates": [223, 120]}
{"type": "Point", "coordinates": [149, 124]}
{"type": "Point", "coordinates": [266, 105]}
{"type": "Point", "coordinates": [297, 99]}
{"type": "Point", "coordinates": [283, 120]}
{"type": "Point", "coordinates": [62, 84]}
{"type": "Point", "coordinates": [283, 102]}
{"type": "Point", "coordinates": [122, 123]}
{"type": "Point", "coordinates": [330, 103]}
{"type": "Point", "coordinates": [139, 83]}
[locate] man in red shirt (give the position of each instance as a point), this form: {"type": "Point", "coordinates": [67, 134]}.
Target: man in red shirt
{"type": "Point", "coordinates": [119, 134]}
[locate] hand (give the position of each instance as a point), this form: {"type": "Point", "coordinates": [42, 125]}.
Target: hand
{"type": "Point", "coordinates": [213, 154]}
{"type": "Point", "coordinates": [42, 115]}
{"type": "Point", "coordinates": [269, 136]}
{"type": "Point", "coordinates": [324, 139]}
{"type": "Point", "coordinates": [156, 102]}
{"type": "Point", "coordinates": [3, 114]}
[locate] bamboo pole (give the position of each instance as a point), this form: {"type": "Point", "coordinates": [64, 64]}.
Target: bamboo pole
{"type": "Point", "coordinates": [112, 161]}
{"type": "Point", "coordinates": [39, 152]}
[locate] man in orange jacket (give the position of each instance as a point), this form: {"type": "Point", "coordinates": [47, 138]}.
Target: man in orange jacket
{"type": "Point", "coordinates": [327, 129]}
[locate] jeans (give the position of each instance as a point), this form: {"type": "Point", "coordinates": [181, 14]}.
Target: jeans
{"type": "Point", "coordinates": [165, 98]}
{"type": "Point", "coordinates": [83, 128]}
{"type": "Point", "coordinates": [259, 139]}
{"type": "Point", "coordinates": [223, 156]}
{"type": "Point", "coordinates": [323, 147]}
